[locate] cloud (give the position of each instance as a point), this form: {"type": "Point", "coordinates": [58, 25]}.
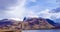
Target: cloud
{"type": "Point", "coordinates": [57, 20]}
{"type": "Point", "coordinates": [44, 14]}
{"type": "Point", "coordinates": [58, 2]}
{"type": "Point", "coordinates": [12, 8]}
{"type": "Point", "coordinates": [56, 10]}
{"type": "Point", "coordinates": [43, 9]}
{"type": "Point", "coordinates": [5, 4]}
{"type": "Point", "coordinates": [34, 8]}
{"type": "Point", "coordinates": [40, 5]}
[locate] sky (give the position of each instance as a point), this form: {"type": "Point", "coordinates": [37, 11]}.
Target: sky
{"type": "Point", "coordinates": [49, 9]}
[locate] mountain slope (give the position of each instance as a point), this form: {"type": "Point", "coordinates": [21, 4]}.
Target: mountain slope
{"type": "Point", "coordinates": [38, 23]}
{"type": "Point", "coordinates": [50, 22]}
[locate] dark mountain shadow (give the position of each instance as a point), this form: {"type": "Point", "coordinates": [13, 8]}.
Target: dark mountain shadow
{"type": "Point", "coordinates": [57, 25]}
{"type": "Point", "coordinates": [51, 22]}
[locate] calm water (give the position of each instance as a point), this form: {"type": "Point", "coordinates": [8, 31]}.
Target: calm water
{"type": "Point", "coordinates": [56, 30]}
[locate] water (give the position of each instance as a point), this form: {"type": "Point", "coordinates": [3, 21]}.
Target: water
{"type": "Point", "coordinates": [55, 30]}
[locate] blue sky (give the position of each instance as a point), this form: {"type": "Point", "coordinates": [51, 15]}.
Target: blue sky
{"type": "Point", "coordinates": [35, 8]}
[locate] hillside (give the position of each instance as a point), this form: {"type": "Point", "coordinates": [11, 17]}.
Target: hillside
{"type": "Point", "coordinates": [27, 24]}
{"type": "Point", "coordinates": [38, 23]}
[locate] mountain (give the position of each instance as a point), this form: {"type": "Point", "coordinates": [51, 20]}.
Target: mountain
{"type": "Point", "coordinates": [29, 24]}
{"type": "Point", "coordinates": [5, 22]}
{"type": "Point", "coordinates": [38, 23]}
{"type": "Point", "coordinates": [57, 25]}
{"type": "Point", "coordinates": [51, 22]}
{"type": "Point", "coordinates": [10, 25]}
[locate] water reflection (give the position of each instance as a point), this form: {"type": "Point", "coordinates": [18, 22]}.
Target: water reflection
{"type": "Point", "coordinates": [56, 30]}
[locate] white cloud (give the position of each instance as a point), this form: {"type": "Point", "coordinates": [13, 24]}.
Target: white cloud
{"type": "Point", "coordinates": [16, 11]}
{"type": "Point", "coordinates": [16, 19]}
{"type": "Point", "coordinates": [32, 14]}
{"type": "Point", "coordinates": [44, 14]}
{"type": "Point", "coordinates": [19, 10]}
{"type": "Point", "coordinates": [49, 15]}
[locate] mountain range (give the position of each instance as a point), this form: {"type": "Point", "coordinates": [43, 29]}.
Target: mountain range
{"type": "Point", "coordinates": [29, 23]}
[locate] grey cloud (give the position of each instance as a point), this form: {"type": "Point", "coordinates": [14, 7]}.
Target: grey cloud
{"type": "Point", "coordinates": [56, 10]}
{"type": "Point", "coordinates": [57, 20]}
{"type": "Point", "coordinates": [4, 4]}
{"type": "Point", "coordinates": [58, 2]}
